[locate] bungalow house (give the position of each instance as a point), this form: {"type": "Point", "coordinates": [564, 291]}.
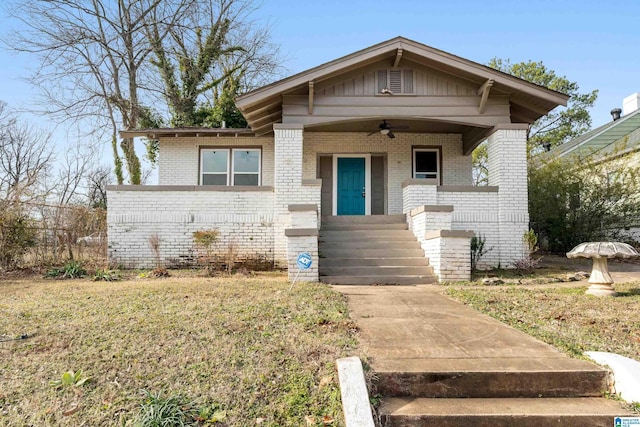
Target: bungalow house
{"type": "Point", "coordinates": [617, 139]}
{"type": "Point", "coordinates": [343, 154]}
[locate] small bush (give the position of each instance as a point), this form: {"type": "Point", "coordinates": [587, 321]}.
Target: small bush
{"type": "Point", "coordinates": [526, 264]}
{"type": "Point", "coordinates": [106, 275]}
{"type": "Point", "coordinates": [478, 250]}
{"type": "Point", "coordinates": [172, 411]}
{"type": "Point", "coordinates": [71, 270]}
{"type": "Point", "coordinates": [69, 379]}
{"type": "Point", "coordinates": [17, 235]}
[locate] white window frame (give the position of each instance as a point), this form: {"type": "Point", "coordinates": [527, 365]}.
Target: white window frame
{"type": "Point", "coordinates": [233, 173]}
{"type": "Point", "coordinates": [230, 173]}
{"type": "Point", "coordinates": [415, 163]}
{"type": "Point", "coordinates": [402, 81]}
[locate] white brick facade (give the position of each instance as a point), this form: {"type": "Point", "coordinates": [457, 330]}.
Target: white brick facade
{"type": "Point", "coordinates": [508, 171]}
{"type": "Point", "coordinates": [255, 220]}
{"type": "Point", "coordinates": [244, 219]}
{"type": "Point", "coordinates": [179, 158]}
{"type": "Point", "coordinates": [456, 168]}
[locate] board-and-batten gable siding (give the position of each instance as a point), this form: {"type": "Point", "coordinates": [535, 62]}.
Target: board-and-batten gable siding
{"type": "Point", "coordinates": [437, 95]}
{"type": "Point", "coordinates": [428, 82]}
{"type": "Point", "coordinates": [179, 161]}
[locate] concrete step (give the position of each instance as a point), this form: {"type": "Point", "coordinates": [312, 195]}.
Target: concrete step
{"type": "Point", "coordinates": [379, 280]}
{"type": "Point", "coordinates": [470, 378]}
{"type": "Point", "coordinates": [354, 227]}
{"type": "Point", "coordinates": [381, 262]}
{"type": "Point", "coordinates": [506, 412]}
{"type": "Point", "coordinates": [364, 219]}
{"type": "Point", "coordinates": [376, 271]}
{"type": "Point", "coordinates": [351, 235]}
{"type": "Point", "coordinates": [369, 253]}
{"type": "Point", "coordinates": [368, 244]}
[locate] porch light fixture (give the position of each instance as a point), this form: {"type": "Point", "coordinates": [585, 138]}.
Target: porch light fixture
{"type": "Point", "coordinates": [384, 131]}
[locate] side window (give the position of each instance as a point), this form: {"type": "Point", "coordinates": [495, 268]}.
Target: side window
{"type": "Point", "coordinates": [223, 166]}
{"type": "Point", "coordinates": [246, 167]}
{"type": "Point", "coordinates": [214, 165]}
{"type": "Point", "coordinates": [426, 164]}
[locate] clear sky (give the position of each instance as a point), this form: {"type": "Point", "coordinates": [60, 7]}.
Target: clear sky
{"type": "Point", "coordinates": [593, 42]}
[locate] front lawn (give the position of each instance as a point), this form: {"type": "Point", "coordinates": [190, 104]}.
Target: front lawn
{"type": "Point", "coordinates": [243, 351]}
{"type": "Point", "coordinates": [564, 316]}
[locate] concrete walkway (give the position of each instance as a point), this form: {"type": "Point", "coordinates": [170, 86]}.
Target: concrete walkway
{"type": "Point", "coordinates": [415, 328]}
{"type": "Point", "coordinates": [440, 363]}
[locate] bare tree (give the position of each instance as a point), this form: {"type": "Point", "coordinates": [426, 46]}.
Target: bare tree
{"type": "Point", "coordinates": [216, 41]}
{"type": "Point", "coordinates": [92, 54]}
{"type": "Point", "coordinates": [95, 186]}
{"type": "Point", "coordinates": [26, 159]}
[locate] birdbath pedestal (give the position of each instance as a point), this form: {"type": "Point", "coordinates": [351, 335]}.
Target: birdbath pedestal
{"type": "Point", "coordinates": [600, 279]}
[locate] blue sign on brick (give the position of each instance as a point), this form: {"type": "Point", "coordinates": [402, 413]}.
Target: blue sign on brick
{"type": "Point", "coordinates": [627, 422]}
{"type": "Point", "coordinates": [304, 261]}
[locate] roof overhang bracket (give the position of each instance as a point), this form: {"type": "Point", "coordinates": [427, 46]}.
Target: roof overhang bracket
{"type": "Point", "coordinates": [484, 92]}
{"type": "Point", "coordinates": [396, 62]}
{"type": "Point", "coordinates": [310, 97]}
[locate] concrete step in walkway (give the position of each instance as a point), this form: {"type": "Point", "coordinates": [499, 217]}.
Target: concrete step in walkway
{"type": "Point", "coordinates": [441, 363]}
{"type": "Point", "coordinates": [509, 412]}
{"type": "Point", "coordinates": [368, 250]}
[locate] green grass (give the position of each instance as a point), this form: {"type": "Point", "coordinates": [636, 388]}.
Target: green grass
{"type": "Point", "coordinates": [246, 346]}
{"type": "Point", "coordinates": [564, 316]}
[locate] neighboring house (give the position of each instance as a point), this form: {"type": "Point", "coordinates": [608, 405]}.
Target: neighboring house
{"type": "Point", "coordinates": [619, 137]}
{"type": "Point", "coordinates": [386, 130]}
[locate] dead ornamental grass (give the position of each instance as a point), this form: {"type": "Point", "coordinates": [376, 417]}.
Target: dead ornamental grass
{"type": "Point", "coordinates": [246, 345]}
{"type": "Point", "coordinates": [565, 317]}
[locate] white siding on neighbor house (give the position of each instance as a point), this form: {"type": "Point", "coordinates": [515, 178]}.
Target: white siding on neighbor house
{"type": "Point", "coordinates": [178, 160]}
{"type": "Point", "coordinates": [244, 219]}
{"type": "Point", "coordinates": [456, 168]}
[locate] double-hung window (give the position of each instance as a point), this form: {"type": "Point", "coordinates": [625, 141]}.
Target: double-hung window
{"type": "Point", "coordinates": [426, 163]}
{"type": "Point", "coordinates": [225, 166]}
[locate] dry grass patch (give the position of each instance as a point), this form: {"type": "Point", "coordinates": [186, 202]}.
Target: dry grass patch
{"type": "Point", "coordinates": [565, 317]}
{"type": "Point", "coordinates": [246, 349]}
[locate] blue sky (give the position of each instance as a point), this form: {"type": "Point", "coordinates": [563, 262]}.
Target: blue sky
{"type": "Point", "coordinates": [595, 43]}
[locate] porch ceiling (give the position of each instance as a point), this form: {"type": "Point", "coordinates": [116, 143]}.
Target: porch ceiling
{"type": "Point", "coordinates": [371, 125]}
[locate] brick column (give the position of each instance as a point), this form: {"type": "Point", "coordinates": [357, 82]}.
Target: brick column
{"type": "Point", "coordinates": [508, 171]}
{"type": "Point", "coordinates": [289, 188]}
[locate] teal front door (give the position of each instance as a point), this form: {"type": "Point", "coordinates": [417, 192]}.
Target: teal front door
{"type": "Point", "coordinates": [351, 186]}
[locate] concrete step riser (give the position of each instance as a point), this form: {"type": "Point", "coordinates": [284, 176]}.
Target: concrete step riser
{"type": "Point", "coordinates": [403, 236]}
{"type": "Point", "coordinates": [364, 219]}
{"type": "Point", "coordinates": [378, 280]}
{"type": "Point", "coordinates": [370, 253]}
{"type": "Point", "coordinates": [493, 384]}
{"type": "Point", "coordinates": [501, 412]}
{"type": "Point", "coordinates": [373, 244]}
{"type": "Point", "coordinates": [507, 420]}
{"type": "Point", "coordinates": [363, 227]}
{"type": "Point", "coordinates": [380, 262]}
{"type": "Point", "coordinates": [375, 271]}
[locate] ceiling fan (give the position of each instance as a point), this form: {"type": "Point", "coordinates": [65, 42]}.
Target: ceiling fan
{"type": "Point", "coordinates": [386, 129]}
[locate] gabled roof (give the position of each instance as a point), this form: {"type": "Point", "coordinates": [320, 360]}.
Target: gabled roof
{"type": "Point", "coordinates": [529, 101]}
{"type": "Point", "coordinates": [604, 140]}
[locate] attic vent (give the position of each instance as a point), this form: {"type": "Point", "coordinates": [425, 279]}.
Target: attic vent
{"type": "Point", "coordinates": [396, 81]}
